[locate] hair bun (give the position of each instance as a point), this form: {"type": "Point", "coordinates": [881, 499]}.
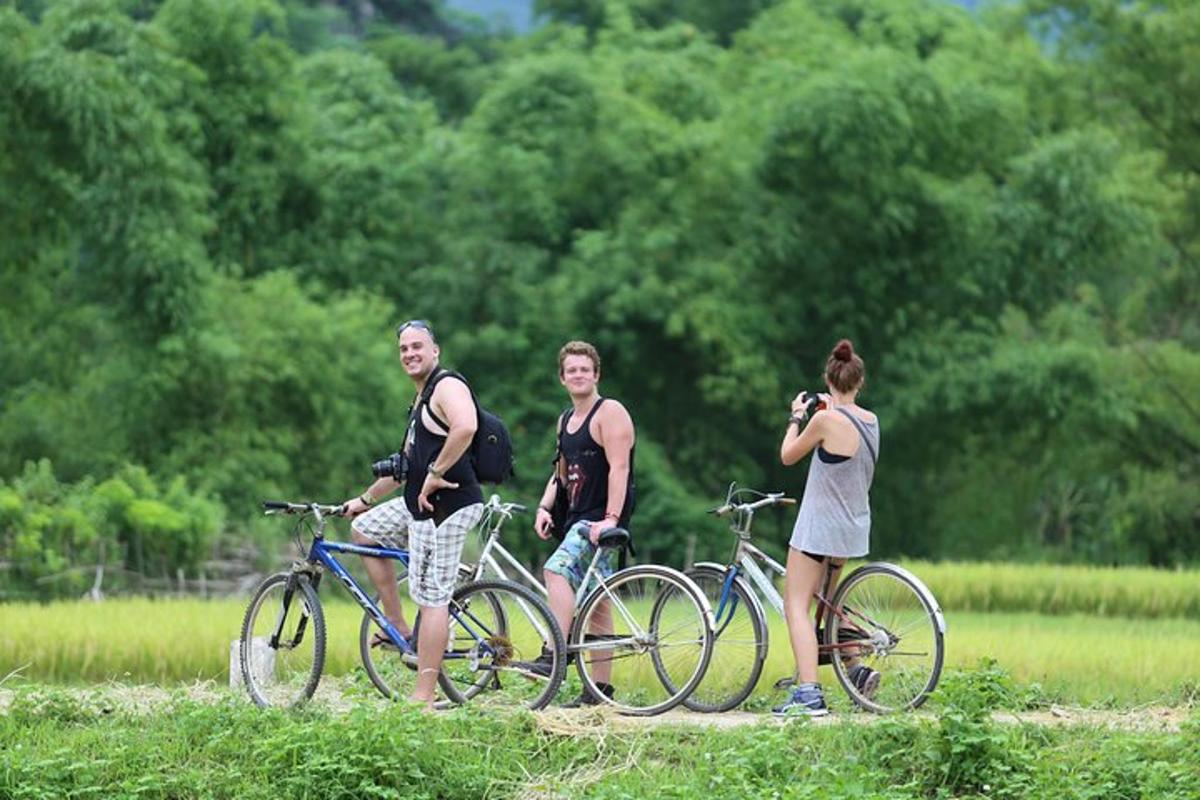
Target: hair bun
{"type": "Point", "coordinates": [843, 350]}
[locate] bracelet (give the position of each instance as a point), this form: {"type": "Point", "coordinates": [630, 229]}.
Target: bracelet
{"type": "Point", "coordinates": [366, 499]}
{"type": "Point", "coordinates": [798, 420]}
{"type": "Point", "coordinates": [434, 472]}
{"type": "Point", "coordinates": [612, 516]}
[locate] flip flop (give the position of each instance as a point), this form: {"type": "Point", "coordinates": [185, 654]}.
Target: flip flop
{"type": "Point", "coordinates": [380, 639]}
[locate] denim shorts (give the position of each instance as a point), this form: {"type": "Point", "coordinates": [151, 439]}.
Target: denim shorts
{"type": "Point", "coordinates": [574, 556]}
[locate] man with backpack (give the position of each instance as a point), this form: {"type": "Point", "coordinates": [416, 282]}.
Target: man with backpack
{"type": "Point", "coordinates": [591, 487]}
{"type": "Point", "coordinates": [442, 501]}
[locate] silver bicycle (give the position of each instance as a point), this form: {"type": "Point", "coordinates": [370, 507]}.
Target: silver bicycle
{"type": "Point", "coordinates": [881, 616]}
{"type": "Point", "coordinates": [645, 630]}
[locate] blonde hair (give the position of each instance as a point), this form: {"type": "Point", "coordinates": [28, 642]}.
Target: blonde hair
{"type": "Point", "coordinates": [578, 348]}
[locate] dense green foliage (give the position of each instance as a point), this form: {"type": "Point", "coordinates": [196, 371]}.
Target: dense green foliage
{"type": "Point", "coordinates": [55, 745]}
{"type": "Point", "coordinates": [213, 213]}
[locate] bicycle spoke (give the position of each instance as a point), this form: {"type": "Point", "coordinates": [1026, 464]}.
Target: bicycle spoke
{"type": "Point", "coordinates": [501, 628]}
{"type": "Point", "coordinates": [284, 609]}
{"type": "Point", "coordinates": [739, 646]}
{"type": "Point", "coordinates": [655, 639]}
{"type": "Point", "coordinates": [906, 650]}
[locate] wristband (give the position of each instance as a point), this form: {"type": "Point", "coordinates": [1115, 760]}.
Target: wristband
{"type": "Point", "coordinates": [798, 420]}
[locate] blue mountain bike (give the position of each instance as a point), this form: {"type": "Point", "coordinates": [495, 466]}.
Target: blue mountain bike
{"type": "Point", "coordinates": [497, 631]}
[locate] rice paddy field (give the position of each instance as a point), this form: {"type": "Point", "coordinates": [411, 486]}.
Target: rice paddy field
{"type": "Point", "coordinates": [1081, 636]}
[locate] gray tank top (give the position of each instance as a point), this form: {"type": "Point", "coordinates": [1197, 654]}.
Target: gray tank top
{"type": "Point", "coordinates": [835, 514]}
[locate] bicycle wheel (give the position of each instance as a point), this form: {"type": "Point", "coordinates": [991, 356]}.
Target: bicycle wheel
{"type": "Point", "coordinates": [392, 670]}
{"type": "Point", "coordinates": [885, 619]}
{"type": "Point", "coordinates": [282, 650]}
{"type": "Point", "coordinates": [644, 632]}
{"type": "Point", "coordinates": [740, 640]}
{"type": "Point", "coordinates": [498, 629]}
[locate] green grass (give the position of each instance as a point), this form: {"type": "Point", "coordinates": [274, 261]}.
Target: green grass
{"type": "Point", "coordinates": [53, 746]}
{"type": "Point", "coordinates": [1076, 659]}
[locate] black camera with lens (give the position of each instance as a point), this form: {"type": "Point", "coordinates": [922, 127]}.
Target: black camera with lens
{"type": "Point", "coordinates": [394, 466]}
{"type": "Point", "coordinates": [812, 402]}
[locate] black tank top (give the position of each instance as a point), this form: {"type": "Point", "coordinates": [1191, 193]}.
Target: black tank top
{"type": "Point", "coordinates": [587, 474]}
{"type": "Point", "coordinates": [423, 447]}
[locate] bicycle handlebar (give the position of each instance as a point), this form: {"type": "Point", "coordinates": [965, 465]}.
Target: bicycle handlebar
{"type": "Point", "coordinates": [775, 498]}
{"type": "Point", "coordinates": [494, 504]}
{"type": "Point", "coordinates": [284, 507]}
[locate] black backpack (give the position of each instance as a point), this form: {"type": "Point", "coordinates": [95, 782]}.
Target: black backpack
{"type": "Point", "coordinates": [491, 448]}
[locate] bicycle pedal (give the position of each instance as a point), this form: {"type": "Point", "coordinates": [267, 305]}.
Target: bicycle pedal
{"type": "Point", "coordinates": [786, 682]}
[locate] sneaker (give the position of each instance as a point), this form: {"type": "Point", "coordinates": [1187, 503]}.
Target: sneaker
{"type": "Point", "coordinates": [865, 679]}
{"type": "Point", "coordinates": [807, 700]}
{"type": "Point", "coordinates": [586, 698]}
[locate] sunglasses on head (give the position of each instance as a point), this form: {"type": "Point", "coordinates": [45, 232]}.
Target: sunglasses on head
{"type": "Point", "coordinates": [419, 324]}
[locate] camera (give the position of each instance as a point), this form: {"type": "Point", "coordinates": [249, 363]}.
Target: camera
{"type": "Point", "coordinates": [394, 466]}
{"type": "Point", "coordinates": [812, 402]}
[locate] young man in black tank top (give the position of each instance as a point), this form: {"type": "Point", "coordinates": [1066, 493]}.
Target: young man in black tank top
{"type": "Point", "coordinates": [442, 501]}
{"type": "Point", "coordinates": [595, 464]}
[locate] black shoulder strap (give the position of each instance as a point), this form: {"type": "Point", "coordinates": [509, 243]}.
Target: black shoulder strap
{"type": "Point", "coordinates": [562, 428]}
{"type": "Point", "coordinates": [862, 431]}
{"type": "Point", "coordinates": [427, 393]}
{"type": "Point", "coordinates": [595, 407]}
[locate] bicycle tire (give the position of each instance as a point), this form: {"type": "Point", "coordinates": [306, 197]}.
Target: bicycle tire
{"type": "Point", "coordinates": [498, 629]}
{"type": "Point", "coordinates": [898, 620]}
{"type": "Point", "coordinates": [676, 609]}
{"type": "Point", "coordinates": [740, 642]}
{"type": "Point", "coordinates": [288, 680]}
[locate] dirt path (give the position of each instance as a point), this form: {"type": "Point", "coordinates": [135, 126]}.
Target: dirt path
{"type": "Point", "coordinates": [146, 699]}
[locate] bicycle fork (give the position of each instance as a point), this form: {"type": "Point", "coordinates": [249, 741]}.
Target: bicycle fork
{"type": "Point", "coordinates": [289, 594]}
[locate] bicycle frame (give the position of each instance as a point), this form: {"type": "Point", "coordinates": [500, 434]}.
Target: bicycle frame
{"type": "Point", "coordinates": [322, 553]}
{"type": "Point", "coordinates": [321, 557]}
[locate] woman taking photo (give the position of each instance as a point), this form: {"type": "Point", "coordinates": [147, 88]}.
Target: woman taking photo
{"type": "Point", "coordinates": [834, 522]}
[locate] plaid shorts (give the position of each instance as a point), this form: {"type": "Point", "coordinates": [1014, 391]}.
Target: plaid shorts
{"type": "Point", "coordinates": [433, 550]}
{"type": "Point", "coordinates": [574, 556]}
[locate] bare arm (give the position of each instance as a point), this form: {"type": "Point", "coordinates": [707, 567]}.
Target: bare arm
{"type": "Point", "coordinates": [542, 519]}
{"type": "Point", "coordinates": [374, 493]}
{"type": "Point", "coordinates": [616, 436]}
{"type": "Point", "coordinates": [451, 401]}
{"type": "Point", "coordinates": [798, 443]}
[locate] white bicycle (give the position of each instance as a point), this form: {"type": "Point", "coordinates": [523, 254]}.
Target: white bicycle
{"type": "Point", "coordinates": [644, 630]}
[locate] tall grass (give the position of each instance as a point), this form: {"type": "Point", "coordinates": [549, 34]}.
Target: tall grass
{"type": "Point", "coordinates": [1075, 658]}
{"type": "Point", "coordinates": [142, 640]}
{"type": "Point", "coordinates": [1050, 589]}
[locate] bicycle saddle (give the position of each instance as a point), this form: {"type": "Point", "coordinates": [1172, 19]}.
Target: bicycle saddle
{"type": "Point", "coordinates": [613, 537]}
